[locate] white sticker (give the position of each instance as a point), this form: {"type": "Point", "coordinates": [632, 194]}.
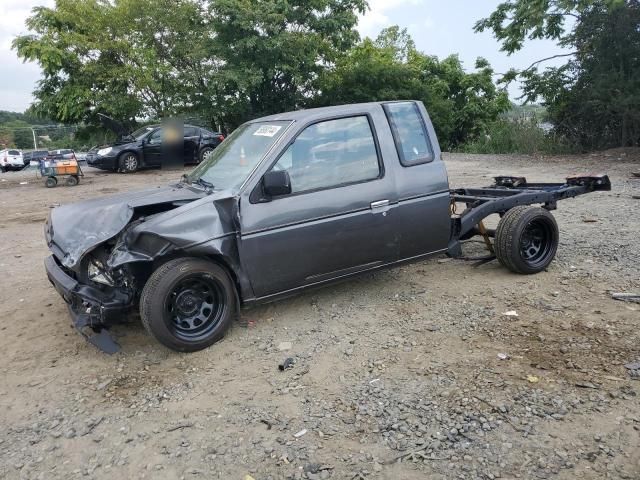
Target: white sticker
{"type": "Point", "coordinates": [267, 130]}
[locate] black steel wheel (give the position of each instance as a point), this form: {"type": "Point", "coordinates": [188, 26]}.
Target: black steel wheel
{"type": "Point", "coordinates": [526, 239]}
{"type": "Point", "coordinates": [188, 304]}
{"type": "Point", "coordinates": [128, 162]}
{"type": "Point", "coordinates": [50, 182]}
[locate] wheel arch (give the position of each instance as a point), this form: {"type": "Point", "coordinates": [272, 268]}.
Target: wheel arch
{"type": "Point", "coordinates": [215, 257]}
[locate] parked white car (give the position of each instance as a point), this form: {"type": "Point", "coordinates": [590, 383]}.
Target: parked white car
{"type": "Point", "coordinates": [11, 159]}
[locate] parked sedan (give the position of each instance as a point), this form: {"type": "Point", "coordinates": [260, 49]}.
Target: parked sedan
{"type": "Point", "coordinates": [145, 148]}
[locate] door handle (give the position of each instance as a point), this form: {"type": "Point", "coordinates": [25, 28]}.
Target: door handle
{"type": "Point", "coordinates": [379, 204]}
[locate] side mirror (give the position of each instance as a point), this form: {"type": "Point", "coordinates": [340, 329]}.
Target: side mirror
{"type": "Point", "coordinates": [275, 183]}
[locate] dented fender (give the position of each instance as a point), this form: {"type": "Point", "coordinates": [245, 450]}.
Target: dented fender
{"type": "Point", "coordinates": [202, 228]}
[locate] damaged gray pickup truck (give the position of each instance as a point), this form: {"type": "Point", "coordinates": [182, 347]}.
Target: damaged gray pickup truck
{"type": "Point", "coordinates": [287, 202]}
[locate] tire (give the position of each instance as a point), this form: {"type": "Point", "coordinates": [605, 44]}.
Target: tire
{"type": "Point", "coordinates": [50, 182]}
{"type": "Point", "coordinates": [526, 239]}
{"type": "Point", "coordinates": [72, 181]}
{"type": "Point", "coordinates": [188, 304]}
{"type": "Point", "coordinates": [204, 154]}
{"type": "Point", "coordinates": [128, 162]}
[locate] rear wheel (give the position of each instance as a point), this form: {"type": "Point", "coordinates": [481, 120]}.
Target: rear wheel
{"type": "Point", "coordinates": [526, 239]}
{"type": "Point", "coordinates": [128, 162]}
{"type": "Point", "coordinates": [72, 180]}
{"type": "Point", "coordinates": [51, 182]}
{"type": "Point", "coordinates": [205, 153]}
{"type": "Point", "coordinates": [188, 304]}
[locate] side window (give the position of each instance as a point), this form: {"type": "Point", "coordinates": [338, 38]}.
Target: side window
{"type": "Point", "coordinates": [156, 137]}
{"type": "Point", "coordinates": [331, 153]}
{"type": "Point", "coordinates": [190, 132]}
{"type": "Point", "coordinates": [409, 133]}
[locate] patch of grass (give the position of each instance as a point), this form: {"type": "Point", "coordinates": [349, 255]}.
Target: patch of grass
{"type": "Point", "coordinates": [518, 136]}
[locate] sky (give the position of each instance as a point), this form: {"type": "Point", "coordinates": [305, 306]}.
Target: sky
{"type": "Point", "coordinates": [438, 27]}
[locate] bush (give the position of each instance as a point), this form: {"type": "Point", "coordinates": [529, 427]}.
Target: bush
{"type": "Point", "coordinates": [518, 136]}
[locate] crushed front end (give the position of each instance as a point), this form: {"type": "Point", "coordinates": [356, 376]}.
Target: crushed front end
{"type": "Point", "coordinates": [83, 237]}
{"type": "Point", "coordinates": [96, 297]}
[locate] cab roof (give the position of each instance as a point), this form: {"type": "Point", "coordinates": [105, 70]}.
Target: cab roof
{"type": "Point", "coordinates": [324, 112]}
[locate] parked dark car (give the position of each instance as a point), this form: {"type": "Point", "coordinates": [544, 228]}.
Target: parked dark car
{"type": "Point", "coordinates": [287, 202]}
{"type": "Point", "coordinates": [144, 148]}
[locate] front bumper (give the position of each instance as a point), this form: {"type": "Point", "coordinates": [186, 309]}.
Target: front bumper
{"type": "Point", "coordinates": [91, 309]}
{"type": "Point", "coordinates": [13, 166]}
{"type": "Point", "coordinates": [102, 162]}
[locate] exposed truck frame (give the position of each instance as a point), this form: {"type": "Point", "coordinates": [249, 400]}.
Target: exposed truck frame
{"type": "Point", "coordinates": [510, 192]}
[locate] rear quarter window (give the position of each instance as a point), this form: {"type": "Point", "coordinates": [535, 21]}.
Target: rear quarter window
{"type": "Point", "coordinates": [409, 133]}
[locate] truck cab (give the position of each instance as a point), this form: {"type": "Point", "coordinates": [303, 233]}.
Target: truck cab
{"type": "Point", "coordinates": [366, 187]}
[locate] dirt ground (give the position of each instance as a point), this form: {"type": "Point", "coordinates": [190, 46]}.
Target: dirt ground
{"type": "Point", "coordinates": [410, 373]}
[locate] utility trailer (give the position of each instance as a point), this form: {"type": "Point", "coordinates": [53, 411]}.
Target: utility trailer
{"type": "Point", "coordinates": [288, 202]}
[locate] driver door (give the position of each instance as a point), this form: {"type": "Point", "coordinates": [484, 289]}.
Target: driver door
{"type": "Point", "coordinates": [338, 218]}
{"type": "Point", "coordinates": [152, 149]}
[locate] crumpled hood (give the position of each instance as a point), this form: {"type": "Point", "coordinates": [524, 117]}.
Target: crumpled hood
{"type": "Point", "coordinates": [72, 230]}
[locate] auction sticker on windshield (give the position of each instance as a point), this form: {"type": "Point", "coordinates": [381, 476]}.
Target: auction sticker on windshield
{"type": "Point", "coordinates": [267, 130]}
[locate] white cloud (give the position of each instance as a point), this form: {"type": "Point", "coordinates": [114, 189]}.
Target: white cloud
{"type": "Point", "coordinates": [376, 18]}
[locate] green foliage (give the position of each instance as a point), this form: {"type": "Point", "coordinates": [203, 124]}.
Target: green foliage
{"type": "Point", "coordinates": [510, 135]}
{"type": "Point", "coordinates": [226, 61]}
{"type": "Point", "coordinates": [461, 104]}
{"type": "Point", "coordinates": [594, 99]}
{"type": "Point", "coordinates": [16, 133]}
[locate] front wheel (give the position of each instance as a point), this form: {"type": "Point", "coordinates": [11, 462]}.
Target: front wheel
{"type": "Point", "coordinates": [128, 162]}
{"type": "Point", "coordinates": [526, 239]}
{"type": "Point", "coordinates": [188, 304]}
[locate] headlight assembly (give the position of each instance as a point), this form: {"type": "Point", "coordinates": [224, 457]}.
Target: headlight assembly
{"type": "Point", "coordinates": [104, 151]}
{"type": "Point", "coordinates": [97, 274]}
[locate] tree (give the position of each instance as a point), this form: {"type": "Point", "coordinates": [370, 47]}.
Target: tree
{"type": "Point", "coordinates": [594, 99]}
{"type": "Point", "coordinates": [225, 60]}
{"type": "Point", "coordinates": [271, 52]}
{"type": "Point", "coordinates": [125, 59]}
{"type": "Point", "coordinates": [461, 104]}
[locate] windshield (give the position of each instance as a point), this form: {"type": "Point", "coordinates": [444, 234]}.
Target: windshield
{"type": "Point", "coordinates": [234, 159]}
{"type": "Point", "coordinates": [141, 132]}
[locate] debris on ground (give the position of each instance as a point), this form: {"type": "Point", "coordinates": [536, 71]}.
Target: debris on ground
{"type": "Point", "coordinates": [633, 369]}
{"type": "Point", "coordinates": [286, 363]}
{"type": "Point", "coordinates": [283, 346]}
{"type": "Point", "coordinates": [510, 313]}
{"type": "Point", "coordinates": [626, 297]}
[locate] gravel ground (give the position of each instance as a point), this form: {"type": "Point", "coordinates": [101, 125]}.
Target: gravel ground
{"type": "Point", "coordinates": [410, 373]}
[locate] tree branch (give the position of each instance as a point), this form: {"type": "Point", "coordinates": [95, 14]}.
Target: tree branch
{"type": "Point", "coordinates": [548, 58]}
